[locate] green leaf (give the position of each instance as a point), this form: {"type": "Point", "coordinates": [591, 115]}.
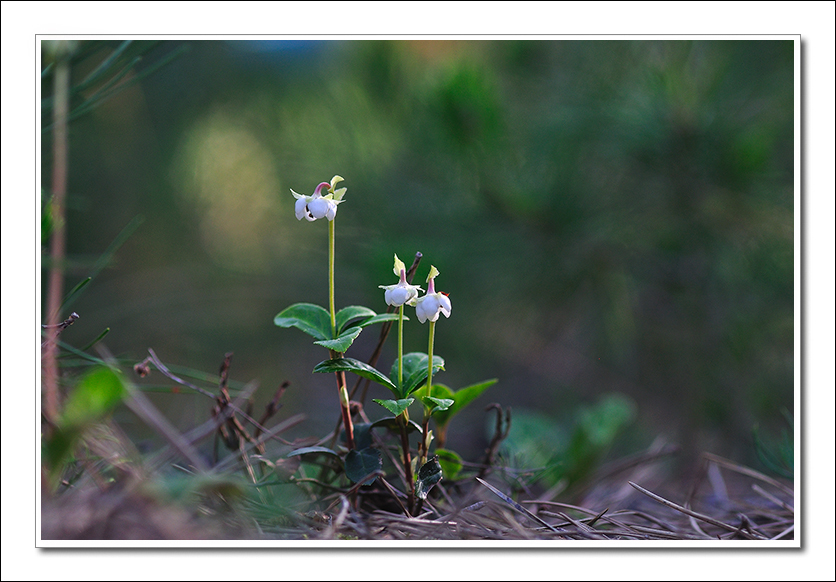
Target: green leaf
{"type": "Point", "coordinates": [462, 398]}
{"type": "Point", "coordinates": [357, 367]}
{"type": "Point", "coordinates": [350, 313]}
{"type": "Point", "coordinates": [310, 318]}
{"type": "Point", "coordinates": [94, 397]}
{"type": "Point", "coordinates": [393, 424]}
{"type": "Point", "coordinates": [362, 435]}
{"type": "Point", "coordinates": [381, 318]}
{"type": "Point", "coordinates": [428, 475]}
{"type": "Point", "coordinates": [358, 464]}
{"type": "Point", "coordinates": [98, 392]}
{"type": "Point", "coordinates": [343, 341]}
{"type": "Point", "coordinates": [441, 404]}
{"type": "Point", "coordinates": [395, 406]}
{"type": "Point", "coordinates": [415, 371]}
{"type": "Point", "coordinates": [313, 451]}
{"type": "Point", "coordinates": [450, 461]}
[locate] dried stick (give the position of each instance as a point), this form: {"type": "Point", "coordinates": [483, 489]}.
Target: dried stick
{"type": "Point", "coordinates": [57, 248]}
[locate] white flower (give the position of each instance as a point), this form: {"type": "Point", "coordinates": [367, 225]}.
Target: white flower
{"type": "Point", "coordinates": [433, 303]}
{"type": "Point", "coordinates": [318, 206]}
{"type": "Point", "coordinates": [403, 292]}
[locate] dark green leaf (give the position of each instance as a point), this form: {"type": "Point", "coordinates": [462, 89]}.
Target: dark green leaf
{"type": "Point", "coordinates": [441, 404]}
{"type": "Point", "coordinates": [428, 475]}
{"type": "Point", "coordinates": [362, 435]}
{"type": "Point", "coordinates": [462, 398]}
{"type": "Point", "coordinates": [357, 367]}
{"type": "Point", "coordinates": [381, 318]}
{"type": "Point", "coordinates": [393, 424]}
{"type": "Point", "coordinates": [312, 319]}
{"type": "Point", "coordinates": [450, 461]}
{"type": "Point", "coordinates": [313, 451]}
{"type": "Point", "coordinates": [395, 406]}
{"type": "Point", "coordinates": [415, 371]}
{"type": "Point", "coordinates": [350, 313]}
{"type": "Point", "coordinates": [343, 342]}
{"type": "Point", "coordinates": [359, 464]}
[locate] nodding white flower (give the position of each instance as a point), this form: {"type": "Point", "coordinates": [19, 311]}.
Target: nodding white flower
{"type": "Point", "coordinates": [433, 303]}
{"type": "Point", "coordinates": [318, 206]}
{"type": "Point", "coordinates": [403, 292]}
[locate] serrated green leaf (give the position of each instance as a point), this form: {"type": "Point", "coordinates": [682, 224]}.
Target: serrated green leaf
{"type": "Point", "coordinates": [343, 342]}
{"type": "Point", "coordinates": [441, 404]}
{"type": "Point", "coordinates": [428, 475]}
{"type": "Point", "coordinates": [415, 371]}
{"type": "Point", "coordinates": [312, 319]}
{"type": "Point", "coordinates": [450, 461]}
{"type": "Point", "coordinates": [395, 406]}
{"type": "Point", "coordinates": [358, 464]}
{"type": "Point", "coordinates": [357, 367]}
{"type": "Point", "coordinates": [350, 313]}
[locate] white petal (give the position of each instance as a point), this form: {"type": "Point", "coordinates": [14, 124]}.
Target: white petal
{"type": "Point", "coordinates": [331, 214]}
{"type": "Point", "coordinates": [444, 304]}
{"type": "Point", "coordinates": [387, 296]}
{"type": "Point", "coordinates": [318, 207]}
{"type": "Point", "coordinates": [301, 211]}
{"type": "Point", "coordinates": [399, 296]}
{"type": "Point", "coordinates": [419, 311]}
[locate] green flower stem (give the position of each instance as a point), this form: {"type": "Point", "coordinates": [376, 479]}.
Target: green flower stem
{"type": "Point", "coordinates": [403, 419]}
{"type": "Point", "coordinates": [343, 392]}
{"type": "Point", "coordinates": [331, 278]}
{"type": "Point", "coordinates": [400, 348]}
{"type": "Point", "coordinates": [407, 460]}
{"type": "Point", "coordinates": [425, 446]}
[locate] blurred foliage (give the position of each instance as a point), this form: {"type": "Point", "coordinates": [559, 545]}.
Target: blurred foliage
{"type": "Point", "coordinates": [608, 216]}
{"type": "Point", "coordinates": [564, 454]}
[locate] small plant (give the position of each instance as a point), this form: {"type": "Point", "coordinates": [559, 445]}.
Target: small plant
{"type": "Point", "coordinates": [410, 377]}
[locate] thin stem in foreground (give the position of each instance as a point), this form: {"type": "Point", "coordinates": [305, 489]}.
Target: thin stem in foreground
{"type": "Point", "coordinates": [425, 446]}
{"type": "Point", "coordinates": [57, 247]}
{"type": "Point", "coordinates": [341, 389]}
{"type": "Point", "coordinates": [400, 347]}
{"type": "Point", "coordinates": [331, 278]}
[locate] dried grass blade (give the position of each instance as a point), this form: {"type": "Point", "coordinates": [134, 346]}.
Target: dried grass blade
{"type": "Point", "coordinates": [687, 511]}
{"type": "Point", "coordinates": [516, 505]}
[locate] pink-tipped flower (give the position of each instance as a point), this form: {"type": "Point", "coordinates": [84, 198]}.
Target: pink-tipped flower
{"type": "Point", "coordinates": [318, 206]}
{"type": "Point", "coordinates": [433, 303]}
{"type": "Point", "coordinates": [403, 292]}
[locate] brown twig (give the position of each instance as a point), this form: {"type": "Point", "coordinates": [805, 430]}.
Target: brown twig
{"type": "Point", "coordinates": [686, 511]}
{"type": "Point", "coordinates": [57, 248]}
{"type": "Point", "coordinates": [500, 434]}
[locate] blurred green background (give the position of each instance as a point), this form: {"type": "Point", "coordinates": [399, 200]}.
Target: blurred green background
{"type": "Point", "coordinates": [607, 216]}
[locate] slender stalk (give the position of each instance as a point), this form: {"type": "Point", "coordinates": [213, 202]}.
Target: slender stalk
{"type": "Point", "coordinates": [331, 278]}
{"type": "Point", "coordinates": [407, 459]}
{"type": "Point", "coordinates": [400, 348]}
{"type": "Point", "coordinates": [428, 391]}
{"type": "Point", "coordinates": [58, 240]}
{"type": "Point", "coordinates": [341, 389]}
{"type": "Point", "coordinates": [430, 361]}
{"type": "Point", "coordinates": [403, 419]}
